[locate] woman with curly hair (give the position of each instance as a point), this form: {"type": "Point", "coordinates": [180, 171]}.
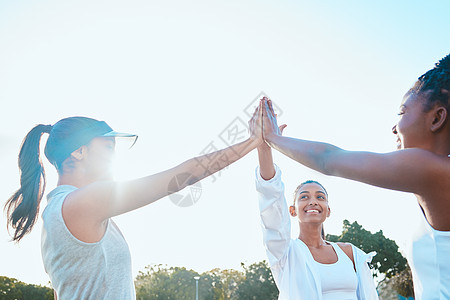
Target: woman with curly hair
{"type": "Point", "coordinates": [421, 166]}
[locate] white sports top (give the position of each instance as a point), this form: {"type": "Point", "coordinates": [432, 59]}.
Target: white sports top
{"type": "Point", "coordinates": [429, 258]}
{"type": "Point", "coordinates": [339, 280]}
{"type": "Point", "coordinates": [293, 267]}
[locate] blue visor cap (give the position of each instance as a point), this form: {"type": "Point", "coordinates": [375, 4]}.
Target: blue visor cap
{"type": "Point", "coordinates": [65, 146]}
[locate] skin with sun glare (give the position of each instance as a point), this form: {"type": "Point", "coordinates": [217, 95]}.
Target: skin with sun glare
{"type": "Point", "coordinates": [87, 209]}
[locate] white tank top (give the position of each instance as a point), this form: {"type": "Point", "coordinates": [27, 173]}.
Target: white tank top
{"type": "Point", "coordinates": [80, 270]}
{"type": "Point", "coordinates": [429, 258]}
{"type": "Point", "coordinates": [338, 280]}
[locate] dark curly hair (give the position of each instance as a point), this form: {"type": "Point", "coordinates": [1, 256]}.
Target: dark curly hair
{"type": "Point", "coordinates": [435, 84]}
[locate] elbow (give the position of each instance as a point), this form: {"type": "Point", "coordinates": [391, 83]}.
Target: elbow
{"type": "Point", "coordinates": [325, 168]}
{"type": "Point", "coordinates": [325, 164]}
{"type": "Point", "coordinates": [191, 179]}
{"type": "Point", "coordinates": [181, 181]}
{"type": "Point", "coordinates": [194, 172]}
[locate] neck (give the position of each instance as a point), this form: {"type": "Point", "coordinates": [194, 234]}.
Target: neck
{"type": "Point", "coordinates": [440, 143]}
{"type": "Point", "coordinates": [311, 235]}
{"type": "Point", "coordinates": [442, 148]}
{"type": "Point", "coordinates": [74, 178]}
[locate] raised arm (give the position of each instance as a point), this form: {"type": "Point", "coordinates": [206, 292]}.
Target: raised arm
{"type": "Point", "coordinates": [98, 201]}
{"type": "Point", "coordinates": [411, 170]}
{"type": "Point", "coordinates": [265, 158]}
{"type": "Point", "coordinates": [275, 220]}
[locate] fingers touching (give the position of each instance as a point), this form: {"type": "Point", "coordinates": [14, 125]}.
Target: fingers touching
{"type": "Point", "coordinates": [270, 126]}
{"type": "Point", "coordinates": [263, 124]}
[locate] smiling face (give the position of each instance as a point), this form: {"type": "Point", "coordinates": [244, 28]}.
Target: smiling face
{"type": "Point", "coordinates": [412, 130]}
{"type": "Point", "coordinates": [311, 204]}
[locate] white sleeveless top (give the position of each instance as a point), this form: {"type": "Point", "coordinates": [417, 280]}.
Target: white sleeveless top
{"type": "Point", "coordinates": [80, 270]}
{"type": "Point", "coordinates": [338, 280]}
{"type": "Point", "coordinates": [429, 258]}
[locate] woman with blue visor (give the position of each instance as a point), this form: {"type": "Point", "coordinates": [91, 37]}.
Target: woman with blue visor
{"type": "Point", "coordinates": [83, 250]}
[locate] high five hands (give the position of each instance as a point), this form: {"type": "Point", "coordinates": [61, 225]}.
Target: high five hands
{"type": "Point", "coordinates": [263, 125]}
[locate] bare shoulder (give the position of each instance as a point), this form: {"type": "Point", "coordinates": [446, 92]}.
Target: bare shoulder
{"type": "Point", "coordinates": [347, 248]}
{"type": "Point", "coordinates": [420, 171]}
{"type": "Point", "coordinates": [83, 211]}
{"type": "Point", "coordinates": [88, 198]}
{"type": "Point", "coordinates": [427, 160]}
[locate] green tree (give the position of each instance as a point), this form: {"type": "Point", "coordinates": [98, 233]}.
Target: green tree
{"type": "Point", "coordinates": [258, 283]}
{"type": "Point", "coordinates": [8, 289]}
{"type": "Point", "coordinates": [162, 282]}
{"type": "Point", "coordinates": [388, 261]}
{"type": "Point", "coordinates": [400, 284]}
{"type": "Point", "coordinates": [13, 289]}
{"type": "Point", "coordinates": [390, 267]}
{"type": "Point", "coordinates": [223, 283]}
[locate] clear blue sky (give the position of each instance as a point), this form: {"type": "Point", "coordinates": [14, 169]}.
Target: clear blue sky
{"type": "Point", "coordinates": [179, 72]}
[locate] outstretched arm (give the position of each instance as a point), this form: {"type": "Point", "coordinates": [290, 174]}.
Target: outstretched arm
{"type": "Point", "coordinates": [133, 194]}
{"type": "Point", "coordinates": [410, 170]}
{"type": "Point", "coordinates": [97, 202]}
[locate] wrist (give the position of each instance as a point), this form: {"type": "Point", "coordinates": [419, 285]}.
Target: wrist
{"type": "Point", "coordinates": [275, 141]}
{"type": "Point", "coordinates": [270, 139]}
{"type": "Point", "coordinates": [255, 142]}
{"type": "Point", "coordinates": [263, 147]}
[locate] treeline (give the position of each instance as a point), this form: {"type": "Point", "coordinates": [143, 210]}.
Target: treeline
{"type": "Point", "coordinates": [13, 289]}
{"type": "Point", "coordinates": [255, 281]}
{"type": "Point", "coordinates": [161, 282]}
{"type": "Point", "coordinates": [252, 282]}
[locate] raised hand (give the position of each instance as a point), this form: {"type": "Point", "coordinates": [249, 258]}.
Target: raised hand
{"type": "Point", "coordinates": [270, 124]}
{"type": "Point", "coordinates": [255, 126]}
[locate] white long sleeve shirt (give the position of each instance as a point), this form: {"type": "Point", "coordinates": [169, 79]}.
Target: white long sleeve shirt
{"type": "Point", "coordinates": [290, 260]}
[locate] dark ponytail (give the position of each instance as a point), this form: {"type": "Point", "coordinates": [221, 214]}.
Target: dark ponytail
{"type": "Point", "coordinates": [23, 207]}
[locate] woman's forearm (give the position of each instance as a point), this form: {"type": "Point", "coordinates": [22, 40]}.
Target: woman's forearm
{"type": "Point", "coordinates": [315, 155]}
{"type": "Point", "coordinates": [208, 164]}
{"type": "Point", "coordinates": [139, 192]}
{"type": "Point", "coordinates": [266, 168]}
